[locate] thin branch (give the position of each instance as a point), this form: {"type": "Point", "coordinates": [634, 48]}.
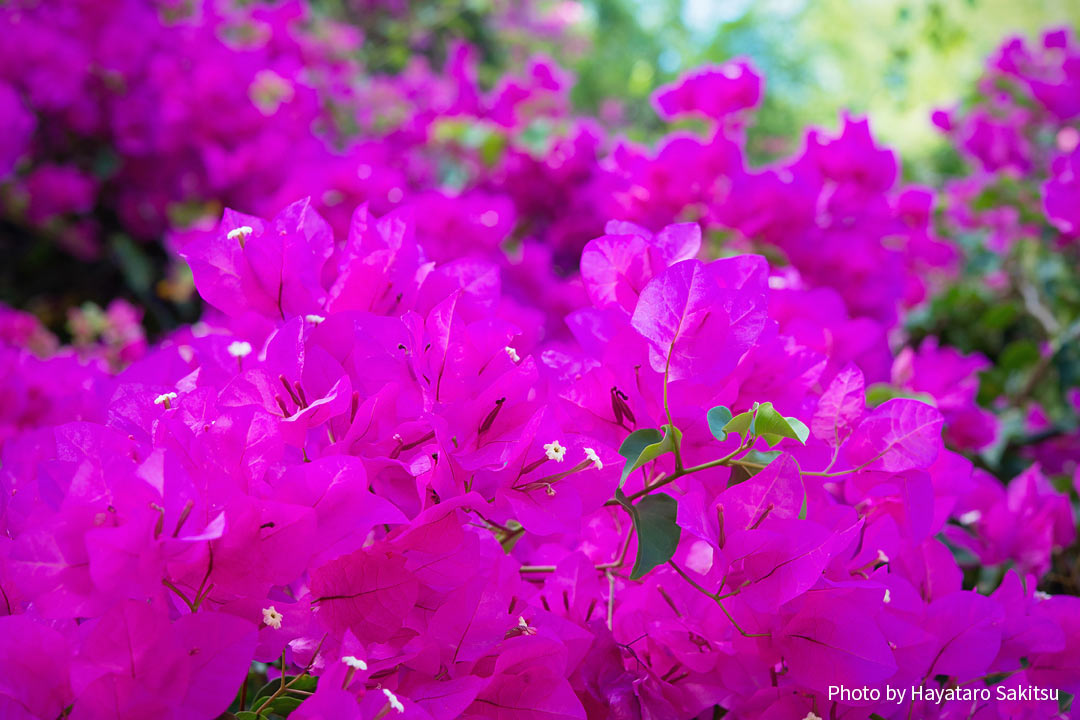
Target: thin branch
{"type": "Point", "coordinates": [286, 687]}
{"type": "Point", "coordinates": [718, 599]}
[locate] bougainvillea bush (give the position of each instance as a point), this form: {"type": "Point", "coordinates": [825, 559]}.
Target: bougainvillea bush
{"type": "Point", "coordinates": [555, 426]}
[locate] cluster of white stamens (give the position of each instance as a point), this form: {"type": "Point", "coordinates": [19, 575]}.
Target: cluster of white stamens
{"type": "Point", "coordinates": [165, 399]}
{"type": "Point", "coordinates": [591, 455]}
{"type": "Point", "coordinates": [512, 353]}
{"type": "Point", "coordinates": [354, 662]}
{"type": "Point", "coordinates": [524, 626]}
{"type": "Point", "coordinates": [240, 233]}
{"type": "Point", "coordinates": [394, 702]}
{"type": "Point", "coordinates": [554, 451]}
{"type": "Point", "coordinates": [882, 557]}
{"type": "Point", "coordinates": [812, 716]}
{"type": "Point", "coordinates": [239, 348]}
{"type": "Point", "coordinates": [272, 618]}
{"type": "Point", "coordinates": [888, 597]}
{"type": "Point", "coordinates": [315, 319]}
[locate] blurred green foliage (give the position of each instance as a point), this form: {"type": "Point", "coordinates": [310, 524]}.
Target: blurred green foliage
{"type": "Point", "coordinates": [895, 60]}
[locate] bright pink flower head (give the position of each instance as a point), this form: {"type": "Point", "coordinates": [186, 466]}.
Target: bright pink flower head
{"type": "Point", "coordinates": [713, 91]}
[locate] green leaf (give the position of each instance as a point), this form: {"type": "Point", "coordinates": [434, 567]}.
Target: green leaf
{"type": "Point", "coordinates": [657, 533]}
{"type": "Point", "coordinates": [642, 446]}
{"type": "Point", "coordinates": [268, 689]}
{"type": "Point", "coordinates": [718, 417]}
{"type": "Point", "coordinates": [879, 393]}
{"type": "Point", "coordinates": [774, 427]}
{"type": "Point", "coordinates": [764, 421]}
{"type": "Point", "coordinates": [285, 704]}
{"type": "Point", "coordinates": [743, 423]}
{"type": "Point", "coordinates": [248, 715]}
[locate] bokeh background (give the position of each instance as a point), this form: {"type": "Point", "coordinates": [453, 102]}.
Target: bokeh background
{"type": "Point", "coordinates": [893, 60]}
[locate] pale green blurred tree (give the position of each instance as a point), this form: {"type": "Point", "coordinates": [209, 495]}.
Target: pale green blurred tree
{"type": "Point", "coordinates": [894, 59]}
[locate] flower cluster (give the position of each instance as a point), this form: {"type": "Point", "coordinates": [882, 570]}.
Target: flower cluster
{"type": "Point", "coordinates": [129, 112]}
{"type": "Point", "coordinates": [362, 466]}
{"type": "Point", "coordinates": [511, 417]}
{"type": "Point", "coordinates": [1014, 210]}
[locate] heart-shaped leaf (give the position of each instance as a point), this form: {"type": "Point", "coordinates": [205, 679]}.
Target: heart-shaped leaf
{"type": "Point", "coordinates": [656, 530]}
{"type": "Point", "coordinates": [774, 427]}
{"type": "Point", "coordinates": [718, 417]}
{"type": "Point", "coordinates": [645, 445]}
{"type": "Point", "coordinates": [764, 421]}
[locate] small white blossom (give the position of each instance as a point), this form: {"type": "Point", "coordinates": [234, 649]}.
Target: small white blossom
{"type": "Point", "coordinates": [240, 233]}
{"type": "Point", "coordinates": [315, 319]}
{"type": "Point", "coordinates": [972, 516]}
{"type": "Point", "coordinates": [392, 699]}
{"type": "Point", "coordinates": [554, 451]}
{"type": "Point", "coordinates": [512, 353]}
{"type": "Point", "coordinates": [888, 597]}
{"type": "Point", "coordinates": [165, 399]}
{"type": "Point", "coordinates": [354, 662]}
{"type": "Point", "coordinates": [882, 557]}
{"type": "Point", "coordinates": [591, 455]}
{"type": "Point", "coordinates": [272, 617]}
{"type": "Point", "coordinates": [239, 348]}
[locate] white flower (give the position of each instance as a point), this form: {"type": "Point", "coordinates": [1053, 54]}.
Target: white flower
{"type": "Point", "coordinates": [888, 597]}
{"type": "Point", "coordinates": [392, 699]}
{"type": "Point", "coordinates": [554, 451]}
{"type": "Point", "coordinates": [972, 516]}
{"type": "Point", "coordinates": [272, 617]}
{"type": "Point", "coordinates": [315, 319]}
{"type": "Point", "coordinates": [591, 455]}
{"type": "Point", "coordinates": [164, 399]}
{"type": "Point", "coordinates": [239, 348]}
{"type": "Point", "coordinates": [354, 662]}
{"type": "Point", "coordinates": [240, 233]}
{"type": "Point", "coordinates": [512, 353]}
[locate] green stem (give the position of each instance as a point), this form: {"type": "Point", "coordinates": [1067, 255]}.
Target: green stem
{"type": "Point", "coordinates": [667, 410]}
{"type": "Point", "coordinates": [680, 472]}
{"type": "Point", "coordinates": [286, 686]}
{"type": "Point", "coordinates": [718, 599]}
